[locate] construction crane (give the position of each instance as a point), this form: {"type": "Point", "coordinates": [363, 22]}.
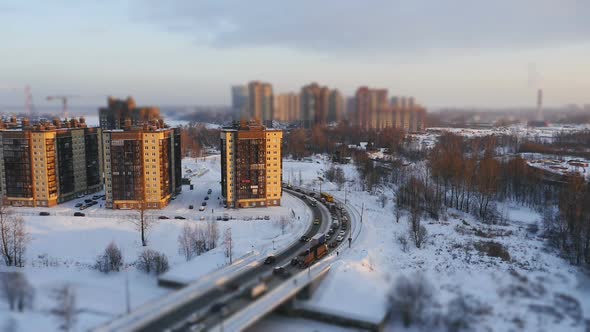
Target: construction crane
{"type": "Point", "coordinates": [28, 97]}
{"type": "Point", "coordinates": [64, 102]}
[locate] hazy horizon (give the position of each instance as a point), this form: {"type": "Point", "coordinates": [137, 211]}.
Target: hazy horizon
{"type": "Point", "coordinates": [452, 54]}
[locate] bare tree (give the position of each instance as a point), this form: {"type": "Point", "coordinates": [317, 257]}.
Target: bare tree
{"type": "Point", "coordinates": [300, 179]}
{"type": "Point", "coordinates": [228, 243]}
{"type": "Point", "coordinates": [398, 209]}
{"type": "Point", "coordinates": [14, 238]}
{"type": "Point", "coordinates": [403, 241]}
{"type": "Point", "coordinates": [383, 200]}
{"type": "Point", "coordinates": [212, 235]}
{"type": "Point", "coordinates": [110, 260]}
{"type": "Point", "coordinates": [416, 230]}
{"type": "Point", "coordinates": [284, 222]}
{"type": "Point", "coordinates": [150, 261]}
{"type": "Point", "coordinates": [65, 306]}
{"type": "Point", "coordinates": [142, 221]}
{"type": "Point", "coordinates": [410, 297]}
{"type": "Point", "coordinates": [185, 242]}
{"type": "Point", "coordinates": [17, 290]}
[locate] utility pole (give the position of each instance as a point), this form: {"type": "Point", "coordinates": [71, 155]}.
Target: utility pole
{"type": "Point", "coordinates": [127, 297]}
{"type": "Point", "coordinates": [362, 212]}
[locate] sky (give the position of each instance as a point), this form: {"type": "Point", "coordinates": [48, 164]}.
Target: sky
{"type": "Point", "coordinates": [451, 53]}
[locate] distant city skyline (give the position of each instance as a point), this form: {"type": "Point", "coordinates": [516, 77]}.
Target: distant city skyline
{"type": "Point", "coordinates": [457, 54]}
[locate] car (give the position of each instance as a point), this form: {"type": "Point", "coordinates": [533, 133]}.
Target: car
{"type": "Point", "coordinates": [88, 200]}
{"type": "Point", "coordinates": [312, 194]}
{"type": "Point", "coordinates": [206, 198]}
{"type": "Point", "coordinates": [172, 198]}
{"type": "Point", "coordinates": [79, 214]}
{"type": "Point", "coordinates": [218, 218]}
{"type": "Point", "coordinates": [266, 217]}
{"type": "Point", "coordinates": [316, 221]}
{"type": "Point", "coordinates": [340, 238]}
{"type": "Point", "coordinates": [344, 226]}
{"type": "Point", "coordinates": [179, 217]}
{"type": "Point", "coordinates": [96, 197]}
{"type": "Point", "coordinates": [78, 205]}
{"type": "Point", "coordinates": [190, 207]}
{"type": "Point", "coordinates": [202, 218]}
{"type": "Point", "coordinates": [209, 191]}
{"type": "Point", "coordinates": [204, 204]}
{"type": "Point", "coordinates": [342, 233]}
{"type": "Point", "coordinates": [104, 198]}
{"type": "Point", "coordinates": [270, 259]}
{"type": "Point", "coordinates": [302, 196]}
{"type": "Point", "coordinates": [83, 207]}
{"type": "Point", "coordinates": [44, 213]}
{"type": "Point", "coordinates": [304, 238]}
{"type": "Point", "coordinates": [201, 208]}
{"type": "Point", "coordinates": [314, 204]}
{"type": "Point", "coordinates": [333, 244]}
{"type": "Point", "coordinates": [225, 217]}
{"type": "Point", "coordinates": [327, 237]}
{"type": "Point", "coordinates": [331, 231]}
{"type": "Point", "coordinates": [280, 271]}
{"type": "Point", "coordinates": [217, 307]}
{"type": "Point", "coordinates": [163, 217]}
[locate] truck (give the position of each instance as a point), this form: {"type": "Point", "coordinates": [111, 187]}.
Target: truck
{"type": "Point", "coordinates": [318, 239]}
{"type": "Point", "coordinates": [313, 254]}
{"type": "Point", "coordinates": [327, 197]}
{"type": "Point", "coordinates": [258, 290]}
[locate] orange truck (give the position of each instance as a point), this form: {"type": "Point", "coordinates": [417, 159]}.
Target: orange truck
{"type": "Point", "coordinates": [313, 254]}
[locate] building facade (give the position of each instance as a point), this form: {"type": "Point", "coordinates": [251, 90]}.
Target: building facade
{"type": "Point", "coordinates": [119, 110]}
{"type": "Point", "coordinates": [239, 98]}
{"type": "Point", "coordinates": [261, 103]}
{"type": "Point", "coordinates": [251, 165]}
{"type": "Point", "coordinates": [287, 107]}
{"type": "Point", "coordinates": [142, 166]}
{"type": "Point", "coordinates": [49, 163]}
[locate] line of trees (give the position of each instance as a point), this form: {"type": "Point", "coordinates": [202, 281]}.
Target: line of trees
{"type": "Point", "coordinates": [197, 239]}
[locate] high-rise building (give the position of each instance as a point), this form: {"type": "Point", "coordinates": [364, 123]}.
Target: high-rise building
{"type": "Point", "coordinates": [287, 107]}
{"type": "Point", "coordinates": [49, 163]}
{"type": "Point", "coordinates": [142, 166]}
{"type": "Point", "coordinates": [371, 104]}
{"type": "Point", "coordinates": [261, 103]}
{"type": "Point", "coordinates": [251, 165]}
{"type": "Point", "coordinates": [336, 107]}
{"type": "Point", "coordinates": [239, 97]}
{"type": "Point", "coordinates": [316, 102]}
{"type": "Point", "coordinates": [119, 110]}
{"type": "Point", "coordinates": [407, 114]}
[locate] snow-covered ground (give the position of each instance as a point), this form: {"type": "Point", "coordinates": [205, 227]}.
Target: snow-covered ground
{"type": "Point", "coordinates": [63, 248]}
{"type": "Point", "coordinates": [530, 292]}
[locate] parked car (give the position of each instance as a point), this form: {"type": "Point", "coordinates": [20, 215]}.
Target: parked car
{"type": "Point", "coordinates": [201, 208]}
{"type": "Point", "coordinates": [266, 217]}
{"type": "Point", "coordinates": [206, 198]}
{"type": "Point", "coordinates": [78, 205]}
{"type": "Point", "coordinates": [79, 214]}
{"type": "Point", "coordinates": [270, 259]}
{"type": "Point", "coordinates": [83, 207]}
{"type": "Point", "coordinates": [96, 197]}
{"type": "Point", "coordinates": [190, 207]}
{"type": "Point", "coordinates": [44, 213]}
{"type": "Point", "coordinates": [204, 204]}
{"type": "Point", "coordinates": [225, 217]}
{"type": "Point", "coordinates": [163, 217]}
{"type": "Point", "coordinates": [209, 191]}
{"type": "Point", "coordinates": [179, 217]}
{"type": "Point", "coordinates": [202, 218]}
{"type": "Point", "coordinates": [88, 200]}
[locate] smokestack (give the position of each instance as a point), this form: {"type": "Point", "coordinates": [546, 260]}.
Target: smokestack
{"type": "Point", "coordinates": [540, 116]}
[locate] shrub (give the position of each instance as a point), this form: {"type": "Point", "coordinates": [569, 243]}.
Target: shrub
{"type": "Point", "coordinates": [150, 261]}
{"type": "Point", "coordinates": [493, 249]}
{"type": "Point", "coordinates": [111, 260]}
{"type": "Point", "coordinates": [410, 297]}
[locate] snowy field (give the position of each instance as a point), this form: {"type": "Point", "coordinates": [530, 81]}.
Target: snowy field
{"type": "Point", "coordinates": [63, 248]}
{"type": "Point", "coordinates": [533, 291]}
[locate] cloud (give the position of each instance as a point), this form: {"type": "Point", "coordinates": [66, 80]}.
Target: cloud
{"type": "Point", "coordinates": [369, 26]}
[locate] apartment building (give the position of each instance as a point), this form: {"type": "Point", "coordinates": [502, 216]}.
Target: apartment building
{"type": "Point", "coordinates": [251, 165]}
{"type": "Point", "coordinates": [49, 163]}
{"type": "Point", "coordinates": [119, 110]}
{"type": "Point", "coordinates": [142, 165]}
